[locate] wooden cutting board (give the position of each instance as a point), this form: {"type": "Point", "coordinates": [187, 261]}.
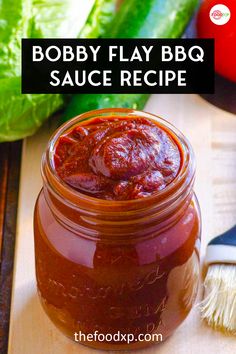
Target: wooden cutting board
{"type": "Point", "coordinates": [212, 133]}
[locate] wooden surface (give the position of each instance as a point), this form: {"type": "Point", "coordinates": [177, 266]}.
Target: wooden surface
{"type": "Point", "coordinates": [10, 156]}
{"type": "Point", "coordinates": [212, 133]}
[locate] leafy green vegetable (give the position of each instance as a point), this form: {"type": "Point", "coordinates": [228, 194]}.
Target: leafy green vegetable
{"type": "Point", "coordinates": [152, 18]}
{"type": "Point", "coordinates": [14, 17]}
{"type": "Point", "coordinates": [57, 18]}
{"type": "Point", "coordinates": [99, 19]}
{"type": "Point", "coordinates": [21, 115]}
{"type": "Point", "coordinates": [136, 19]}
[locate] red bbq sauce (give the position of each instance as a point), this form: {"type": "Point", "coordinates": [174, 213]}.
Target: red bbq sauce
{"type": "Point", "coordinates": [117, 158]}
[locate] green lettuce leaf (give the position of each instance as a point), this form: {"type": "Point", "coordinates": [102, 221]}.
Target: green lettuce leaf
{"type": "Point", "coordinates": [22, 114]}
{"type": "Point", "coordinates": [102, 14]}
{"type": "Point", "coordinates": [14, 24]}
{"type": "Point", "coordinates": [58, 18]}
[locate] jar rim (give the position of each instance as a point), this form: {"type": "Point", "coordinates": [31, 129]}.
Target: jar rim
{"type": "Point", "coordinates": [75, 198]}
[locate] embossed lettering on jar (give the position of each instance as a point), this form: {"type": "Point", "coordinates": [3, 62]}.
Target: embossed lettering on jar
{"type": "Point", "coordinates": [123, 256]}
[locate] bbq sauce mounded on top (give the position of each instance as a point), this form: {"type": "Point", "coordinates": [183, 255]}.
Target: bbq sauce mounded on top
{"type": "Point", "coordinates": [117, 158]}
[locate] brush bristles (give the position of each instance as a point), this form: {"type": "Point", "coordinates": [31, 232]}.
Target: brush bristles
{"type": "Point", "coordinates": [219, 305]}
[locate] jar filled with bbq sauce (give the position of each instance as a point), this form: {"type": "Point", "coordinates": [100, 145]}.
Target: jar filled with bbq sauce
{"type": "Point", "coordinates": [117, 229]}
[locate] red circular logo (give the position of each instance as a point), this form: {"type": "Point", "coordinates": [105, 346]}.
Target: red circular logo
{"type": "Point", "coordinates": [217, 14]}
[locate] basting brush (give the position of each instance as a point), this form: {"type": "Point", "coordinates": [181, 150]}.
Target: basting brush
{"type": "Point", "coordinates": [218, 307]}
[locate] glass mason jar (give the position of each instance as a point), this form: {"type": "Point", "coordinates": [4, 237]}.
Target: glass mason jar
{"type": "Point", "coordinates": [117, 267]}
